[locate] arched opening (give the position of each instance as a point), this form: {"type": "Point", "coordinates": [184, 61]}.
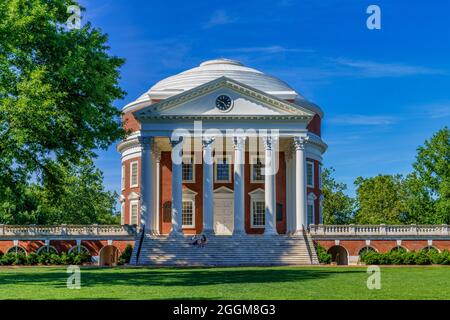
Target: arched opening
{"type": "Point", "coordinates": [109, 256]}
{"type": "Point", "coordinates": [17, 250]}
{"type": "Point", "coordinates": [431, 249]}
{"type": "Point", "coordinates": [47, 249]}
{"type": "Point", "coordinates": [398, 249]}
{"type": "Point", "coordinates": [79, 249]}
{"type": "Point", "coordinates": [338, 255]}
{"type": "Point", "coordinates": [365, 250]}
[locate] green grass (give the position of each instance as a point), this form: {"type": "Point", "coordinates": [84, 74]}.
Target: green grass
{"type": "Point", "coordinates": [226, 283]}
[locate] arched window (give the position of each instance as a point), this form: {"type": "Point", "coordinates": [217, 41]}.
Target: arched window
{"type": "Point", "coordinates": [79, 249]}
{"type": "Point", "coordinates": [430, 248]}
{"type": "Point", "coordinates": [365, 250]}
{"type": "Point", "coordinates": [398, 249]}
{"type": "Point", "coordinates": [17, 250]}
{"type": "Point", "coordinates": [49, 249]}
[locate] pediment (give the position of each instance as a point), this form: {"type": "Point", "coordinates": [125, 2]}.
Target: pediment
{"type": "Point", "coordinates": [199, 102]}
{"type": "Point", "coordinates": [223, 189]}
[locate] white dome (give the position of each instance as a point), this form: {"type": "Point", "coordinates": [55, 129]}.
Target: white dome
{"type": "Point", "coordinates": [213, 69]}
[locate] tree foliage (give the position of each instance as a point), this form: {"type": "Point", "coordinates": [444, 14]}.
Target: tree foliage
{"type": "Point", "coordinates": [337, 206]}
{"type": "Point", "coordinates": [380, 199]}
{"type": "Point", "coordinates": [429, 183]}
{"type": "Point", "coordinates": [57, 88]}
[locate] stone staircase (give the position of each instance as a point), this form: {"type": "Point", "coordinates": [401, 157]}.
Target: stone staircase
{"type": "Point", "coordinates": [245, 250]}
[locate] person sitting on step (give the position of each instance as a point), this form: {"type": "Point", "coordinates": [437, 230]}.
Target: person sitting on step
{"type": "Point", "coordinates": [196, 241]}
{"type": "Point", "coordinates": [202, 241]}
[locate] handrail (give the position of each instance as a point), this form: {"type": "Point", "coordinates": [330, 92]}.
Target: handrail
{"type": "Point", "coordinates": [141, 240]}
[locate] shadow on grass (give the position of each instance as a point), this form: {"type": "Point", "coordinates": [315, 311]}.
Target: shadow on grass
{"type": "Point", "coordinates": [168, 276]}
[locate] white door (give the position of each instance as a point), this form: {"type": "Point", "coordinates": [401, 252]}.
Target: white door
{"type": "Point", "coordinates": [223, 216]}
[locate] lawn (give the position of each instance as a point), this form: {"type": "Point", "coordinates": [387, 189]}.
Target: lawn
{"type": "Point", "coordinates": [226, 283]}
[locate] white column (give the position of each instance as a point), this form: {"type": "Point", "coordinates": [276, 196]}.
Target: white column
{"type": "Point", "coordinates": [270, 185]}
{"type": "Point", "coordinates": [157, 191]}
{"type": "Point", "coordinates": [289, 195]}
{"type": "Point", "coordinates": [208, 185]}
{"type": "Point", "coordinates": [239, 185]}
{"type": "Point", "coordinates": [300, 183]}
{"type": "Point", "coordinates": [177, 187]}
{"type": "Point", "coordinates": [293, 193]}
{"type": "Point", "coordinates": [146, 184]}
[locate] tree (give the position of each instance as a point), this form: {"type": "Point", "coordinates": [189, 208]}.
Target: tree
{"type": "Point", "coordinates": [77, 198]}
{"type": "Point", "coordinates": [57, 88]}
{"type": "Point", "coordinates": [337, 206]}
{"type": "Point", "coordinates": [429, 183]}
{"type": "Point", "coordinates": [381, 199]}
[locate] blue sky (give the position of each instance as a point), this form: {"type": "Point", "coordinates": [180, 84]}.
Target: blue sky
{"type": "Point", "coordinates": [383, 91]}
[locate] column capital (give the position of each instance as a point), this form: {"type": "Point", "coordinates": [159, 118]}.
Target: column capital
{"type": "Point", "coordinates": [207, 141]}
{"type": "Point", "coordinates": [146, 142]}
{"type": "Point", "coordinates": [175, 142]}
{"type": "Point", "coordinates": [299, 143]}
{"type": "Point", "coordinates": [239, 142]}
{"type": "Point", "coordinates": [269, 142]}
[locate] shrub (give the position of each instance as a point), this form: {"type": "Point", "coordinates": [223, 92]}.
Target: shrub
{"type": "Point", "coordinates": [396, 257]}
{"type": "Point", "coordinates": [409, 258]}
{"type": "Point", "coordinates": [7, 259]}
{"type": "Point", "coordinates": [422, 258]}
{"type": "Point", "coordinates": [19, 259]}
{"type": "Point", "coordinates": [32, 259]}
{"type": "Point", "coordinates": [370, 257]}
{"type": "Point", "coordinates": [125, 257]}
{"type": "Point", "coordinates": [322, 254]}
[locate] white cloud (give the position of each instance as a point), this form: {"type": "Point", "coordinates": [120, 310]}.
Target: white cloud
{"type": "Point", "coordinates": [268, 49]}
{"type": "Point", "coordinates": [362, 120]}
{"type": "Point", "coordinates": [373, 69]}
{"type": "Point", "coordinates": [219, 17]}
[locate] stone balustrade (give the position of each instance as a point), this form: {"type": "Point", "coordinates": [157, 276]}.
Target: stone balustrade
{"type": "Point", "coordinates": [380, 231]}
{"type": "Point", "coordinates": [68, 231]}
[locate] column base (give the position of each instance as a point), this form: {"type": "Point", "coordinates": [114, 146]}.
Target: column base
{"type": "Point", "coordinates": [175, 234]}
{"type": "Point", "coordinates": [239, 233]}
{"type": "Point", "coordinates": [270, 232]}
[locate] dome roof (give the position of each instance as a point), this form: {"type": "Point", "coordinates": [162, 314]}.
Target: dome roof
{"type": "Point", "coordinates": [213, 69]}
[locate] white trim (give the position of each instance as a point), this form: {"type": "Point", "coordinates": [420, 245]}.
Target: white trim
{"type": "Point", "coordinates": [130, 211]}
{"type": "Point", "coordinates": [312, 163]}
{"type": "Point", "coordinates": [320, 176]}
{"type": "Point", "coordinates": [78, 248]}
{"type": "Point", "coordinates": [253, 160]}
{"type": "Point", "coordinates": [193, 162]}
{"type": "Point", "coordinates": [229, 160]}
{"type": "Point", "coordinates": [131, 174]}
{"type": "Point", "coordinates": [256, 195]}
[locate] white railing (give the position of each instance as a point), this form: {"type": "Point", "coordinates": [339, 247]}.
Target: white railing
{"type": "Point", "coordinates": [67, 230]}
{"type": "Point", "coordinates": [379, 230]}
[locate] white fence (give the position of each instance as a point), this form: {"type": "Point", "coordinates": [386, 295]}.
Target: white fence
{"type": "Point", "coordinates": [68, 231]}
{"type": "Point", "coordinates": [379, 230]}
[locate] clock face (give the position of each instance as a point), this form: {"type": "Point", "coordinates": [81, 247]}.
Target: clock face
{"type": "Point", "coordinates": [224, 103]}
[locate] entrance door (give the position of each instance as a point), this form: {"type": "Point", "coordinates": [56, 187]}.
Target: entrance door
{"type": "Point", "coordinates": [223, 213]}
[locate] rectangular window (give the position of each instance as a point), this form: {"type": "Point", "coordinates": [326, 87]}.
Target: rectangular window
{"type": "Point", "coordinates": [310, 213]}
{"type": "Point", "coordinates": [258, 214]}
{"type": "Point", "coordinates": [134, 211]}
{"type": "Point", "coordinates": [310, 174]}
{"type": "Point", "coordinates": [187, 216]}
{"type": "Point", "coordinates": [223, 169]}
{"type": "Point", "coordinates": [134, 174]}
{"type": "Point", "coordinates": [257, 169]}
{"type": "Point", "coordinates": [122, 183]}
{"type": "Point", "coordinates": [188, 169]}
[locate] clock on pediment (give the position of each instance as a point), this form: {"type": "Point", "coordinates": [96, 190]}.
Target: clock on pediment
{"type": "Point", "coordinates": [224, 103]}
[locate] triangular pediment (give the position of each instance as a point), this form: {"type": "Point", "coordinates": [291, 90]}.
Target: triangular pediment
{"type": "Point", "coordinates": [223, 189]}
{"type": "Point", "coordinates": [200, 102]}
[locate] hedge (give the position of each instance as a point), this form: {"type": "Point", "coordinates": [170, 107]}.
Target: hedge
{"type": "Point", "coordinates": [322, 254]}
{"type": "Point", "coordinates": [422, 257]}
{"type": "Point", "coordinates": [44, 258]}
